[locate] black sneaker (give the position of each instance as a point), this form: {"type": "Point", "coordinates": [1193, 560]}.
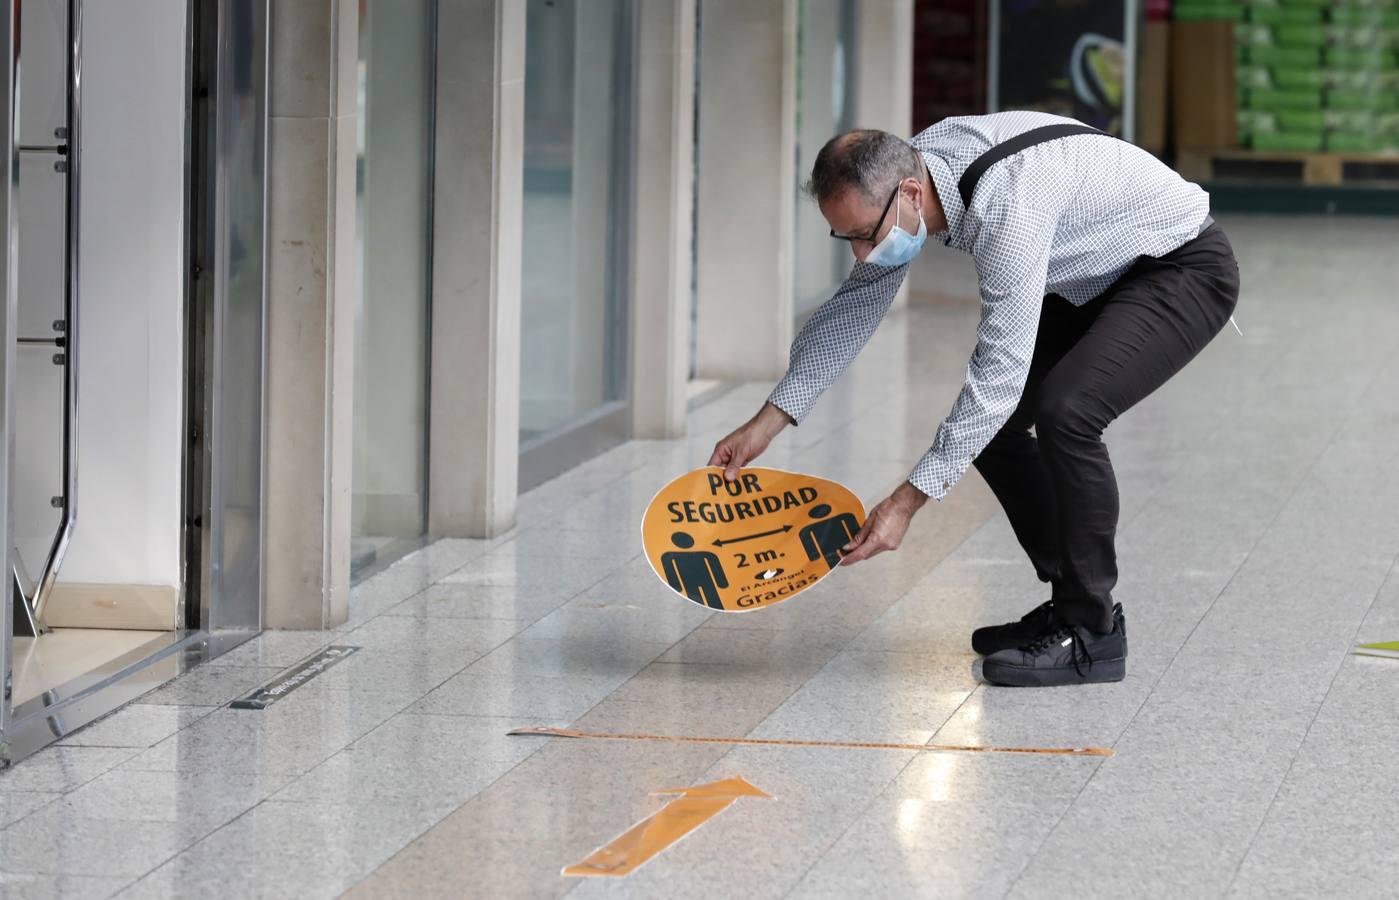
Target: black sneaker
{"type": "Point", "coordinates": [1064, 654]}
{"type": "Point", "coordinates": [995, 638]}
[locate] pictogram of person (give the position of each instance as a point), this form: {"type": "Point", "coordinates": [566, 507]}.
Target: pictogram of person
{"type": "Point", "coordinates": [696, 574]}
{"type": "Point", "coordinates": [825, 537]}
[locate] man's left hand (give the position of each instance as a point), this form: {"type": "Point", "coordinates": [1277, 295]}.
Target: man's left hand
{"type": "Point", "coordinates": [885, 526]}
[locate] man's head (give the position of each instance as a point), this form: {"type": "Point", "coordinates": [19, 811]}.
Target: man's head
{"type": "Point", "coordinates": [865, 181]}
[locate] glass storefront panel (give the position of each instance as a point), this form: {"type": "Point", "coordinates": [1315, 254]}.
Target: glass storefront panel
{"type": "Point", "coordinates": [573, 326]}
{"type": "Point", "coordinates": [825, 100]}
{"type": "Point", "coordinates": [393, 210]}
{"type": "Point", "coordinates": [134, 377]}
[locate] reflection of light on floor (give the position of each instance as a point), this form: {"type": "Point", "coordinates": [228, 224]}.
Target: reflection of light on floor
{"type": "Point", "coordinates": [940, 772]}
{"type": "Point", "coordinates": [939, 776]}
{"type": "Point", "coordinates": [969, 723]}
{"type": "Point", "coordinates": [63, 654]}
{"type": "Point", "coordinates": [911, 814]}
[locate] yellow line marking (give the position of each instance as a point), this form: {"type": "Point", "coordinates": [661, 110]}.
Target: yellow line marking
{"type": "Point", "coordinates": [644, 840]}
{"type": "Point", "coordinates": [774, 742]}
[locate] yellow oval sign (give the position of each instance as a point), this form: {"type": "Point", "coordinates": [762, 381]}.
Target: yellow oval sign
{"type": "Point", "coordinates": [742, 545]}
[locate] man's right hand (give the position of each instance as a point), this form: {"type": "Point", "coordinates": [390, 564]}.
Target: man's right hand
{"type": "Point", "coordinates": [749, 440]}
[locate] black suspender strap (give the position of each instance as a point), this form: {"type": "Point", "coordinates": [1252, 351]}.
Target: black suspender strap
{"type": "Point", "coordinates": [966, 185]}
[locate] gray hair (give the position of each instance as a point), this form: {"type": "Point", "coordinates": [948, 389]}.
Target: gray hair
{"type": "Point", "coordinates": [867, 160]}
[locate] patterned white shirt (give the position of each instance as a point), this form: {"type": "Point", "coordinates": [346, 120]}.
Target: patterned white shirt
{"type": "Point", "coordinates": [1066, 217]}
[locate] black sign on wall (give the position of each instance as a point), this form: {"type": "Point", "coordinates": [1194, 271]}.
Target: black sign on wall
{"type": "Point", "coordinates": [1073, 58]}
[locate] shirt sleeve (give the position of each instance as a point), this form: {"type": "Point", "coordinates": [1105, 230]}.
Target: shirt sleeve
{"type": "Point", "coordinates": [1012, 253]}
{"type": "Point", "coordinates": [834, 335]}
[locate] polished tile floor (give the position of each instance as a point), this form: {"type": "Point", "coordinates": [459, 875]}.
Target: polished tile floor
{"type": "Point", "coordinates": [1255, 755]}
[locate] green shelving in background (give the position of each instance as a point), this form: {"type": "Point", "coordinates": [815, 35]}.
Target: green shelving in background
{"type": "Point", "coordinates": [1313, 75]}
{"type": "Point", "coordinates": [1290, 141]}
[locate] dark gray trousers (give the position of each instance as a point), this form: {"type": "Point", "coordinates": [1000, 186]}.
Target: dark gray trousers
{"type": "Point", "coordinates": [1091, 364]}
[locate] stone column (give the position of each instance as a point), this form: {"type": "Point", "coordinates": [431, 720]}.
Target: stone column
{"type": "Point", "coordinates": [311, 290]}
{"type": "Point", "coordinates": [884, 67]}
{"type": "Point", "coordinates": [662, 210]}
{"type": "Point", "coordinates": [473, 445]}
{"type": "Point", "coordinates": [884, 74]}
{"type": "Point", "coordinates": [747, 188]}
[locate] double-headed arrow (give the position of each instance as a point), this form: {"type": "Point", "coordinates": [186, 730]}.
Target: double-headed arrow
{"type": "Point", "coordinates": [749, 537]}
{"type": "Point", "coordinates": [695, 806]}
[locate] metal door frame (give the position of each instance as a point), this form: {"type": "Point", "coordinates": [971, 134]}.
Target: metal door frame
{"type": "Point", "coordinates": [8, 310]}
{"type": "Point", "coordinates": [66, 340]}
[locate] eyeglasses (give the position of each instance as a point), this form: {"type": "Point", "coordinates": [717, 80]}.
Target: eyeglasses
{"type": "Point", "coordinates": [878, 225]}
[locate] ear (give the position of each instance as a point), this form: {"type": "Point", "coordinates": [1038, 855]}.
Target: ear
{"type": "Point", "coordinates": [915, 195]}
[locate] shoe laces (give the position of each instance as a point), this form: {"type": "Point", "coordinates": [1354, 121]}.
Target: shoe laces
{"type": "Point", "coordinates": [1057, 636]}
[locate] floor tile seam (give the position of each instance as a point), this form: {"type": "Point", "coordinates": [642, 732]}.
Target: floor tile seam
{"type": "Point", "coordinates": [634, 675]}
{"type": "Point", "coordinates": [485, 787]}
{"type": "Point", "coordinates": [874, 798]}
{"type": "Point", "coordinates": [857, 817]}
{"type": "Point", "coordinates": [932, 567]}
{"type": "Point", "coordinates": [1185, 458]}
{"type": "Point", "coordinates": [1262, 535]}
{"type": "Point", "coordinates": [184, 847]}
{"type": "Point", "coordinates": [269, 798]}
{"type": "Point", "coordinates": [569, 506]}
{"type": "Point", "coordinates": [725, 755]}
{"type": "Point", "coordinates": [913, 757]}
{"type": "Point", "coordinates": [1146, 698]}
{"type": "Point", "coordinates": [345, 629]}
{"type": "Point", "coordinates": [508, 639]}
{"type": "Point", "coordinates": [1164, 670]}
{"type": "Point", "coordinates": [393, 615]}
{"type": "Point", "coordinates": [201, 839]}
{"type": "Point", "coordinates": [468, 665]}
{"type": "Point", "coordinates": [64, 793]}
{"type": "Point", "coordinates": [52, 801]}
{"type": "Point", "coordinates": [337, 752]}
{"type": "Point", "coordinates": [425, 567]}
{"type": "Point", "coordinates": [208, 711]}
{"type": "Point", "coordinates": [842, 648]}
{"type": "Point", "coordinates": [1302, 742]}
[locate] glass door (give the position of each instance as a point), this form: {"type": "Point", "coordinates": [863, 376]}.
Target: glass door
{"type": "Point", "coordinates": [96, 235]}
{"type": "Point", "coordinates": [393, 209]}
{"type": "Point", "coordinates": [574, 391]}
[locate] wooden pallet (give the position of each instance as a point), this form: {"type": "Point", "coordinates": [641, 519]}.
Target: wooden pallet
{"type": "Point", "coordinates": [1298, 168]}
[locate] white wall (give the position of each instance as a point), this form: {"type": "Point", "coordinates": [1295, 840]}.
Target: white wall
{"type": "Point", "coordinates": [130, 350]}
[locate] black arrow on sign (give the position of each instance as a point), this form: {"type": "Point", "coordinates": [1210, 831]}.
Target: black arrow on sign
{"type": "Point", "coordinates": [749, 537]}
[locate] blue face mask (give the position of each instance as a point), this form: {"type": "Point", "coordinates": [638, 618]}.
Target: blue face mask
{"type": "Point", "coordinates": [898, 246]}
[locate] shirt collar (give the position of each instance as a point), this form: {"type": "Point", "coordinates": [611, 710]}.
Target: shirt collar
{"type": "Point", "coordinates": [945, 183]}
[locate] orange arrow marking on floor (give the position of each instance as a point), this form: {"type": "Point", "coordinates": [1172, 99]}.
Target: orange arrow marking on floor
{"type": "Point", "coordinates": [695, 806]}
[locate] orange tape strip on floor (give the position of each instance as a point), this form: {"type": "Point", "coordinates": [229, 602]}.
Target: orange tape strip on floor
{"type": "Point", "coordinates": [696, 805]}
{"type": "Point", "coordinates": [774, 742]}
